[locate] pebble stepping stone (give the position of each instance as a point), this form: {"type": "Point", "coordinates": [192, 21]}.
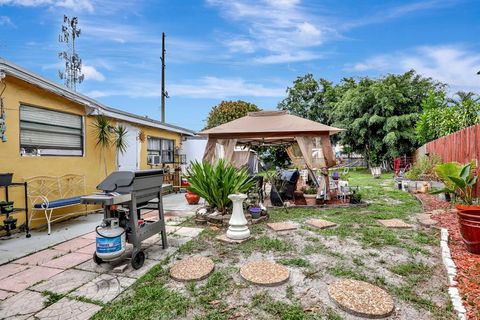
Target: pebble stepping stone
{"type": "Point", "coordinates": [265, 273]}
{"type": "Point", "coordinates": [192, 268]}
{"type": "Point", "coordinates": [22, 305]}
{"type": "Point", "coordinates": [224, 238]}
{"type": "Point", "coordinates": [65, 282]}
{"type": "Point", "coordinates": [281, 226]}
{"type": "Point", "coordinates": [103, 288]}
{"type": "Point", "coordinates": [428, 222]}
{"type": "Point", "coordinates": [68, 309]}
{"type": "Point", "coordinates": [361, 298]}
{"type": "Point", "coordinates": [320, 223]}
{"type": "Point", "coordinates": [394, 223]}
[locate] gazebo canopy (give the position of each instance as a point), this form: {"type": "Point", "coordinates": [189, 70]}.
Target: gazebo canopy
{"type": "Point", "coordinates": [303, 137]}
{"type": "Point", "coordinates": [269, 127]}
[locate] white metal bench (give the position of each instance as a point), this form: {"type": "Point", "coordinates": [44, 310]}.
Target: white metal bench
{"type": "Point", "coordinates": [47, 193]}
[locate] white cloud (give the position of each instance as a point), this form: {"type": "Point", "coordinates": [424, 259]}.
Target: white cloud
{"type": "Point", "coordinates": [206, 87]}
{"type": "Point", "coordinates": [75, 5]}
{"type": "Point", "coordinates": [453, 65]}
{"type": "Point", "coordinates": [6, 21]}
{"type": "Point", "coordinates": [274, 28]}
{"type": "Point", "coordinates": [287, 57]}
{"type": "Point", "coordinates": [92, 74]}
{"type": "Point", "coordinates": [221, 88]}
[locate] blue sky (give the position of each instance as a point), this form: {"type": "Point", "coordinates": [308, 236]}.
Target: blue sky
{"type": "Point", "coordinates": [240, 49]}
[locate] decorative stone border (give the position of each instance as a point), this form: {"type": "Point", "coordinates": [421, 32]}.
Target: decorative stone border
{"type": "Point", "coordinates": [452, 272]}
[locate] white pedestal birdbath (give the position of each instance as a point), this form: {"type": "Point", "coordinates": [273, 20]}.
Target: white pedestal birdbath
{"type": "Point", "coordinates": [238, 229]}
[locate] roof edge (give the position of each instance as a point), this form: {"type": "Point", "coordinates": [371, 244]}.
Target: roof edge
{"type": "Point", "coordinates": [23, 74]}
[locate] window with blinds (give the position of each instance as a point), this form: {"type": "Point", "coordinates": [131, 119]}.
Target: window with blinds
{"type": "Point", "coordinates": [47, 132]}
{"type": "Point", "coordinates": [161, 149]}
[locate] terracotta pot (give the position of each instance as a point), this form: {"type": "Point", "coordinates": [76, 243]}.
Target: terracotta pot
{"type": "Point", "coordinates": [469, 220]}
{"type": "Point", "coordinates": [467, 209]}
{"type": "Point", "coordinates": [192, 198]}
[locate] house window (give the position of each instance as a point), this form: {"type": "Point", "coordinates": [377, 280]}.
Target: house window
{"type": "Point", "coordinates": [160, 150]}
{"type": "Point", "coordinates": [50, 133]}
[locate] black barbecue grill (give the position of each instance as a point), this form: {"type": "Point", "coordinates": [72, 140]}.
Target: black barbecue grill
{"type": "Point", "coordinates": [123, 195]}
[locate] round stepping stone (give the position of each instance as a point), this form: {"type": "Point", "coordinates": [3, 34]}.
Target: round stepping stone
{"type": "Point", "coordinates": [265, 273]}
{"type": "Point", "coordinates": [193, 268]}
{"type": "Point", "coordinates": [428, 222]}
{"type": "Point", "coordinates": [361, 298]}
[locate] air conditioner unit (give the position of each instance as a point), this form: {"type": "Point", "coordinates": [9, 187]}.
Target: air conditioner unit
{"type": "Point", "coordinates": [154, 159]}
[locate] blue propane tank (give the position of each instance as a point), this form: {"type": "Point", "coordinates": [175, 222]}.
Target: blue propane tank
{"type": "Point", "coordinates": [110, 239]}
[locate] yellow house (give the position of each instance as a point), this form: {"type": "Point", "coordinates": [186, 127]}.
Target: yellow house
{"type": "Point", "coordinates": [48, 131]}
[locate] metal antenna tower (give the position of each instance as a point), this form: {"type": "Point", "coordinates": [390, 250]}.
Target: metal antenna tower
{"type": "Point", "coordinates": [73, 64]}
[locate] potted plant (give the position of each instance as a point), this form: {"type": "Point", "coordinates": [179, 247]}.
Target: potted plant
{"type": "Point", "coordinates": [310, 195]}
{"type": "Point", "coordinates": [253, 205]}
{"type": "Point", "coordinates": [462, 186]}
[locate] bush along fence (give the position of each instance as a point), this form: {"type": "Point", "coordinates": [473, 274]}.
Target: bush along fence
{"type": "Point", "coordinates": [462, 146]}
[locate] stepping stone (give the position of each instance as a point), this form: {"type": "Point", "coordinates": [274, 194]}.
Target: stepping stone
{"type": "Point", "coordinates": [5, 294]}
{"type": "Point", "coordinates": [40, 257]}
{"type": "Point", "coordinates": [68, 261]}
{"type": "Point", "coordinates": [394, 223]}
{"type": "Point", "coordinates": [193, 268]}
{"type": "Point", "coordinates": [265, 273]}
{"type": "Point", "coordinates": [423, 216]}
{"type": "Point", "coordinates": [226, 239]}
{"type": "Point", "coordinates": [65, 282]}
{"type": "Point", "coordinates": [26, 278]}
{"type": "Point", "coordinates": [90, 249]}
{"type": "Point", "coordinates": [320, 223]}
{"type": "Point", "coordinates": [428, 222]}
{"type": "Point", "coordinates": [188, 232]}
{"type": "Point", "coordinates": [103, 288]}
{"type": "Point", "coordinates": [74, 244]}
{"type": "Point", "coordinates": [10, 268]}
{"type": "Point", "coordinates": [281, 226]}
{"type": "Point", "coordinates": [22, 305]}
{"type": "Point", "coordinates": [361, 298]}
{"type": "Point", "coordinates": [68, 309]}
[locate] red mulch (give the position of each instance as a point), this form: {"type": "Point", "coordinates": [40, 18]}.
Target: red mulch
{"type": "Point", "coordinates": [468, 264]}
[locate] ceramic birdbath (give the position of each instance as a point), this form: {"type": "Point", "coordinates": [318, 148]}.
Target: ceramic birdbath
{"type": "Point", "coordinates": [238, 229]}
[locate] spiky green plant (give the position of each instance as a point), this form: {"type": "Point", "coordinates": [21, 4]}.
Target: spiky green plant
{"type": "Point", "coordinates": [120, 142]}
{"type": "Point", "coordinates": [215, 182]}
{"type": "Point", "coordinates": [101, 129]}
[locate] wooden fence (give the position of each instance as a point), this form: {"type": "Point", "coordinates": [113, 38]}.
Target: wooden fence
{"type": "Point", "coordinates": [462, 146]}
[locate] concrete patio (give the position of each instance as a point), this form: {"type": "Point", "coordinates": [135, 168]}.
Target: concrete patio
{"type": "Point", "coordinates": [62, 265]}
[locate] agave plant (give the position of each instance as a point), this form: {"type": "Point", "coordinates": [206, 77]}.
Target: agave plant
{"type": "Point", "coordinates": [461, 184]}
{"type": "Point", "coordinates": [215, 182]}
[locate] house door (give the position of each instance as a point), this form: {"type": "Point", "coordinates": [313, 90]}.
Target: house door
{"type": "Point", "coordinates": [129, 160]}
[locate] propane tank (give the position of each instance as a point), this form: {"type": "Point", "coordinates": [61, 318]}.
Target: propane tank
{"type": "Point", "coordinates": [110, 239]}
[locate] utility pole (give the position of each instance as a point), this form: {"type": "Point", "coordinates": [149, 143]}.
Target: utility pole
{"type": "Point", "coordinates": [73, 64]}
{"type": "Point", "coordinates": [164, 94]}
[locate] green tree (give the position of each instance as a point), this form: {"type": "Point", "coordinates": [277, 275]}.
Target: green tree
{"type": "Point", "coordinates": [227, 111]}
{"type": "Point", "coordinates": [380, 115]}
{"type": "Point", "coordinates": [441, 115]}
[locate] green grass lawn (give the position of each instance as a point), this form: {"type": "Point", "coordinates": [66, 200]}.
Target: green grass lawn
{"type": "Point", "coordinates": [406, 263]}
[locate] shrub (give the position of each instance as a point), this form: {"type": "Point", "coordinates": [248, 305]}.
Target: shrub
{"type": "Point", "coordinates": [215, 182]}
{"type": "Point", "coordinates": [424, 168]}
